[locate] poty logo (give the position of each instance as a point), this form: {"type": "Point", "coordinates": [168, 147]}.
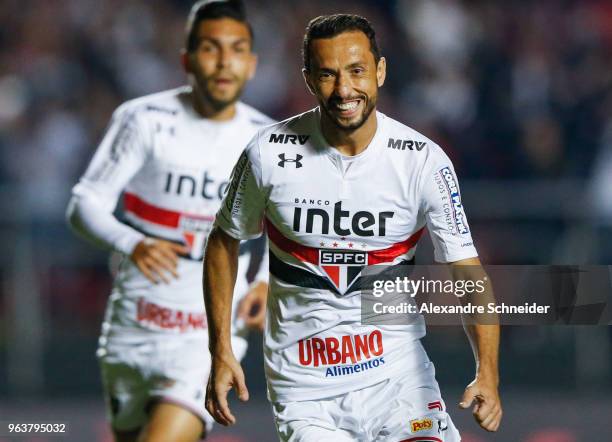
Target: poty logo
{"type": "Point", "coordinates": [403, 144]}
{"type": "Point", "coordinates": [288, 138]}
{"type": "Point", "coordinates": [284, 159]}
{"type": "Point", "coordinates": [455, 197]}
{"type": "Point", "coordinates": [421, 425]}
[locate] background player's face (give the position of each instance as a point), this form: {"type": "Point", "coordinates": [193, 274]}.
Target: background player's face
{"type": "Point", "coordinates": [222, 62]}
{"type": "Point", "coordinates": [345, 78]}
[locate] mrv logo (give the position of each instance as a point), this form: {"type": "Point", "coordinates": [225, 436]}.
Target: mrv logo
{"type": "Point", "coordinates": [361, 223]}
{"type": "Point", "coordinates": [455, 198]}
{"type": "Point", "coordinates": [403, 144]}
{"type": "Point", "coordinates": [288, 139]}
{"type": "Point", "coordinates": [342, 266]}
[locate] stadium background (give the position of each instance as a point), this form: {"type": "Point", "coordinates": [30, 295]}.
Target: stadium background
{"type": "Point", "coordinates": [518, 93]}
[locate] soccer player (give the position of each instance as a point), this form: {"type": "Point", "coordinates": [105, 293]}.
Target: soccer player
{"type": "Point", "coordinates": [342, 177]}
{"type": "Point", "coordinates": [171, 155]}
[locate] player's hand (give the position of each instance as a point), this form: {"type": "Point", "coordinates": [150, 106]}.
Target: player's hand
{"type": "Point", "coordinates": [157, 259]}
{"type": "Point", "coordinates": [252, 307]}
{"type": "Point", "coordinates": [225, 374]}
{"type": "Point", "coordinates": [487, 409]}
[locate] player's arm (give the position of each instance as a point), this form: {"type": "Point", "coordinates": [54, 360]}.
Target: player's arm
{"type": "Point", "coordinates": [220, 269]}
{"type": "Point", "coordinates": [252, 307]}
{"type": "Point", "coordinates": [118, 158]}
{"type": "Point", "coordinates": [450, 233]}
{"type": "Point", "coordinates": [483, 334]}
{"type": "Point", "coordinates": [240, 217]}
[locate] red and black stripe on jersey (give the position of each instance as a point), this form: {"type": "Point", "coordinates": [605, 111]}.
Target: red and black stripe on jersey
{"type": "Point", "coordinates": [302, 277]}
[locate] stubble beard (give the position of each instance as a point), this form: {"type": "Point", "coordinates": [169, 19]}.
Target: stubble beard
{"type": "Point", "coordinates": [370, 105]}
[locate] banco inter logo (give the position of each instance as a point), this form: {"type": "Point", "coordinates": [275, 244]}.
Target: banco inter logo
{"type": "Point", "coordinates": [322, 220]}
{"type": "Point", "coordinates": [295, 161]}
{"type": "Point", "coordinates": [406, 144]}
{"type": "Point", "coordinates": [288, 139]}
{"type": "Point", "coordinates": [185, 184]}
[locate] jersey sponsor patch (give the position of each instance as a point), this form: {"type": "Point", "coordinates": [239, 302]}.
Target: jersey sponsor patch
{"type": "Point", "coordinates": [457, 214]}
{"type": "Point", "coordinates": [288, 139]}
{"type": "Point", "coordinates": [166, 318]}
{"type": "Point", "coordinates": [240, 175]}
{"type": "Point", "coordinates": [124, 141]}
{"type": "Point", "coordinates": [417, 425]}
{"type": "Point", "coordinates": [399, 144]}
{"type": "Point", "coordinates": [343, 355]}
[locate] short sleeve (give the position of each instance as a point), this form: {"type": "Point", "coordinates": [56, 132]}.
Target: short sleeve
{"type": "Point", "coordinates": [444, 211]}
{"type": "Point", "coordinates": [243, 207]}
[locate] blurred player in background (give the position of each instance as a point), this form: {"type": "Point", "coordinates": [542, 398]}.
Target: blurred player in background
{"type": "Point", "coordinates": [171, 156]}
{"type": "Point", "coordinates": [345, 181]}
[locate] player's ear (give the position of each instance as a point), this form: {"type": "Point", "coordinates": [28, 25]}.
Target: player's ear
{"type": "Point", "coordinates": [381, 71]}
{"type": "Point", "coordinates": [185, 61]}
{"type": "Point", "coordinates": [306, 75]}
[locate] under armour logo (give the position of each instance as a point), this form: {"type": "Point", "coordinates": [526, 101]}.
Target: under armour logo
{"type": "Point", "coordinates": [284, 160]}
{"type": "Point", "coordinates": [442, 426]}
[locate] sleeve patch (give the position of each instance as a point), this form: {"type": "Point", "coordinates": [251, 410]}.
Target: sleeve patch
{"type": "Point", "coordinates": [453, 209]}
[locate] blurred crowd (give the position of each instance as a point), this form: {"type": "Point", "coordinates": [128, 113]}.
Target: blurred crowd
{"type": "Point", "coordinates": [511, 89]}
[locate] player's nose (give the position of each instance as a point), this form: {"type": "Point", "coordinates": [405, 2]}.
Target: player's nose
{"type": "Point", "coordinates": [343, 87]}
{"type": "Point", "coordinates": [223, 59]}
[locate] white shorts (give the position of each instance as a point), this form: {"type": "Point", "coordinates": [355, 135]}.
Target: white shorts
{"type": "Point", "coordinates": [140, 370]}
{"type": "Point", "coordinates": [394, 410]}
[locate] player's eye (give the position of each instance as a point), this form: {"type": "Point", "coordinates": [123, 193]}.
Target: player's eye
{"type": "Point", "coordinates": [325, 76]}
{"type": "Point", "coordinates": [357, 71]}
{"type": "Point", "coordinates": [207, 47]}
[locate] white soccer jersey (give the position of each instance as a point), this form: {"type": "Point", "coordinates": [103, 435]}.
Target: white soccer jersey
{"type": "Point", "coordinates": [327, 216]}
{"type": "Point", "coordinates": [172, 167]}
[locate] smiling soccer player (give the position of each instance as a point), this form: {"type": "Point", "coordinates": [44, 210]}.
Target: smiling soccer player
{"type": "Point", "coordinates": [331, 378]}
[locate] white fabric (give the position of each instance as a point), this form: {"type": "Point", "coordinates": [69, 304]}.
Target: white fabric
{"type": "Point", "coordinates": [405, 408]}
{"type": "Point", "coordinates": [290, 179]}
{"type": "Point", "coordinates": [172, 167]}
{"type": "Point", "coordinates": [137, 372]}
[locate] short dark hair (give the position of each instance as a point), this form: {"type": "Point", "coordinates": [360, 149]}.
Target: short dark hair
{"type": "Point", "coordinates": [211, 10]}
{"type": "Point", "coordinates": [328, 26]}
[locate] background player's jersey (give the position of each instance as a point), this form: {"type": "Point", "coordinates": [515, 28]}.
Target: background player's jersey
{"type": "Point", "coordinates": [172, 167]}
{"type": "Point", "coordinates": [328, 215]}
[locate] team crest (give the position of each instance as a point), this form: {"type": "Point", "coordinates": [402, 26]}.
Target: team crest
{"type": "Point", "coordinates": [195, 230]}
{"type": "Point", "coordinates": [342, 266]}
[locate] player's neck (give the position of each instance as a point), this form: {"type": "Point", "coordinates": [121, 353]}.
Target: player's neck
{"type": "Point", "coordinates": [349, 142]}
{"type": "Point", "coordinates": [210, 112]}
